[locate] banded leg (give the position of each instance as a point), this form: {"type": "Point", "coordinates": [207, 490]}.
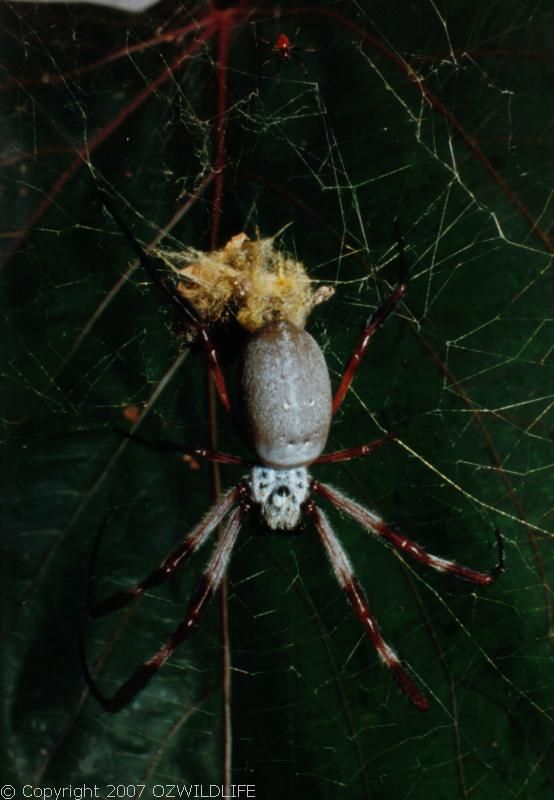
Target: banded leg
{"type": "Point", "coordinates": [209, 583]}
{"type": "Point", "coordinates": [374, 524]}
{"type": "Point", "coordinates": [354, 452]}
{"type": "Point", "coordinates": [174, 561]}
{"type": "Point", "coordinates": [207, 453]}
{"type": "Point", "coordinates": [152, 268]}
{"type": "Point", "coordinates": [358, 600]}
{"type": "Point", "coordinates": [374, 322]}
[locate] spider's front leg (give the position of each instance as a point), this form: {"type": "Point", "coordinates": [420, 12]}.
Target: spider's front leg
{"type": "Point", "coordinates": [356, 595]}
{"type": "Point", "coordinates": [171, 563]}
{"type": "Point", "coordinates": [209, 583]}
{"type": "Point", "coordinates": [375, 525]}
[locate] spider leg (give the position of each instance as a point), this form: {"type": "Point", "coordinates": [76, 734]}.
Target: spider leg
{"type": "Point", "coordinates": [374, 322]}
{"type": "Point", "coordinates": [354, 452]}
{"type": "Point", "coordinates": [207, 453]}
{"type": "Point", "coordinates": [174, 561]}
{"type": "Point", "coordinates": [374, 524]}
{"type": "Point", "coordinates": [295, 54]}
{"type": "Point", "coordinates": [358, 600]}
{"type": "Point", "coordinates": [209, 583]}
{"type": "Point", "coordinates": [152, 268]}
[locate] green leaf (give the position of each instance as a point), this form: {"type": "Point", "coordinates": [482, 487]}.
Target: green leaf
{"type": "Point", "coordinates": [435, 117]}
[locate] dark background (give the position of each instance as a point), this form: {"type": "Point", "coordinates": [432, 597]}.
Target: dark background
{"type": "Point", "coordinates": [438, 115]}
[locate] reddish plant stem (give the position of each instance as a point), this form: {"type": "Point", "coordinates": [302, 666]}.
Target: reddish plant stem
{"type": "Point", "coordinates": [84, 152]}
{"type": "Point", "coordinates": [51, 79]}
{"type": "Point", "coordinates": [453, 122]}
{"type": "Point", "coordinates": [224, 35]}
{"type": "Point", "coordinates": [226, 19]}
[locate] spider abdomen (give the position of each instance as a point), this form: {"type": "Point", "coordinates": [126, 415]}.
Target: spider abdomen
{"type": "Point", "coordinates": [287, 395]}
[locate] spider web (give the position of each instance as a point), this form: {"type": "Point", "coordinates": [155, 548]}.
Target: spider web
{"type": "Point", "coordinates": [438, 117]}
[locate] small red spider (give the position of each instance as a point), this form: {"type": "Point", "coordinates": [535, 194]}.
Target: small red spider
{"type": "Point", "coordinates": [284, 47]}
{"type": "Point", "coordinates": [286, 50]}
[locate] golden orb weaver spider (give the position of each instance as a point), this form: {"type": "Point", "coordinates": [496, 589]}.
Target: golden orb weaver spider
{"type": "Point", "coordinates": [289, 406]}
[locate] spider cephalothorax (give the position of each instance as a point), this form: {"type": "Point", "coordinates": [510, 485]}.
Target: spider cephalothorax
{"type": "Point", "coordinates": [288, 407]}
{"type": "Point", "coordinates": [280, 493]}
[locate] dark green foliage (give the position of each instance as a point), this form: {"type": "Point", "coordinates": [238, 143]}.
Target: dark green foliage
{"type": "Point", "coordinates": [463, 374]}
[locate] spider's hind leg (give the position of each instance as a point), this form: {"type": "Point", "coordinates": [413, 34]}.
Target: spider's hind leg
{"type": "Point", "coordinates": [373, 323]}
{"type": "Point", "coordinates": [151, 266]}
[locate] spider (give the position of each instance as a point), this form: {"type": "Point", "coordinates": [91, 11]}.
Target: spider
{"type": "Point", "coordinates": [286, 50]}
{"type": "Point", "coordinates": [288, 405]}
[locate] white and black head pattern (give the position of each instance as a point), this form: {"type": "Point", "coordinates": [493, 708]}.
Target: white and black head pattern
{"type": "Point", "coordinates": [280, 494]}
